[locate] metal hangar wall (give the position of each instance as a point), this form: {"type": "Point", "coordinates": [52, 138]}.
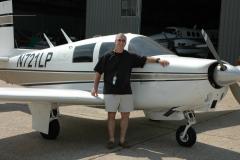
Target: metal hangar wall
{"type": "Point", "coordinates": [106, 17]}
{"type": "Point", "coordinates": [229, 34]}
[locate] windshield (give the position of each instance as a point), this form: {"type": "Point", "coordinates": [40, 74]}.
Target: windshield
{"type": "Point", "coordinates": [145, 46]}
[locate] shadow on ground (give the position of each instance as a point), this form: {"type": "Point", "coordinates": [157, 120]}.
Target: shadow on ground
{"type": "Point", "coordinates": [7, 107]}
{"type": "Point", "coordinates": [85, 138]}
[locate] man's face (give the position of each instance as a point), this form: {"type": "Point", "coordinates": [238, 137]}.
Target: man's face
{"type": "Point", "coordinates": [120, 42]}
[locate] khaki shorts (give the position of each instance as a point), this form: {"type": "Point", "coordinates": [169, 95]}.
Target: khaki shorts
{"type": "Point", "coordinates": [117, 102]}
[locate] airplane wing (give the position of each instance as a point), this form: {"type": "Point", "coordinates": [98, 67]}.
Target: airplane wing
{"type": "Point", "coordinates": [201, 46]}
{"type": "Point", "coordinates": [61, 96]}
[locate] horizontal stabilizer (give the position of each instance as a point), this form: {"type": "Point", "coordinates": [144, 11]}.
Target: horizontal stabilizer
{"type": "Point", "coordinates": [61, 96]}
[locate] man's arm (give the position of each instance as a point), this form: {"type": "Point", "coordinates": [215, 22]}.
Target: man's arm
{"type": "Point", "coordinates": [157, 60]}
{"type": "Point", "coordinates": [94, 91]}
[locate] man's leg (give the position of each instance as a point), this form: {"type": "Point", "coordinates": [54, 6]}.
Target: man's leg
{"type": "Point", "coordinates": [111, 126]}
{"type": "Point", "coordinates": [124, 125]}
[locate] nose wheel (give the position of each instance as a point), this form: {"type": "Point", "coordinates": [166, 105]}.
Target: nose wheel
{"type": "Point", "coordinates": [186, 135]}
{"type": "Point", "coordinates": [189, 139]}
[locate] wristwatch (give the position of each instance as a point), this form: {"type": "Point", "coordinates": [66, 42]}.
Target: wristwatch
{"type": "Point", "coordinates": [157, 60]}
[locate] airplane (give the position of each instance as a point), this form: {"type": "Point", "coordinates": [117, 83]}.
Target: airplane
{"type": "Point", "coordinates": [184, 41]}
{"type": "Point", "coordinates": [63, 75]}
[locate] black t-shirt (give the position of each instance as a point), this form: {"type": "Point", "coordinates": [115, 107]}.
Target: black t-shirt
{"type": "Point", "coordinates": [117, 69]}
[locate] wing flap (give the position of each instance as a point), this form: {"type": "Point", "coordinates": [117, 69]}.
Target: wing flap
{"type": "Point", "coordinates": [63, 96]}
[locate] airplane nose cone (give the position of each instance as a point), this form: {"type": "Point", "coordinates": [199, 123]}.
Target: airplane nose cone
{"type": "Point", "coordinates": [227, 77]}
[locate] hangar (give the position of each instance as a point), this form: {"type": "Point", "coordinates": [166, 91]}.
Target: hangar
{"type": "Point", "coordinates": [87, 18]}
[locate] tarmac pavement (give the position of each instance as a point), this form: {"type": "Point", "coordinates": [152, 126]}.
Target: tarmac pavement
{"type": "Point", "coordinates": [84, 134]}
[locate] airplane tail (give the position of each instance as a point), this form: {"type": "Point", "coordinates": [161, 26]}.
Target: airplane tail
{"type": "Point", "coordinates": [6, 26]}
{"type": "Point", "coordinates": [7, 32]}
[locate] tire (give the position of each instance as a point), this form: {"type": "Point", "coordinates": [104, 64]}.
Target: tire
{"type": "Point", "coordinates": [189, 140]}
{"type": "Point", "coordinates": [53, 132]}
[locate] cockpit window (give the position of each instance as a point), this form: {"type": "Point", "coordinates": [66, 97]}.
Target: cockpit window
{"type": "Point", "coordinates": [83, 53]}
{"type": "Point", "coordinates": [105, 47]}
{"type": "Point", "coordinates": [145, 46]}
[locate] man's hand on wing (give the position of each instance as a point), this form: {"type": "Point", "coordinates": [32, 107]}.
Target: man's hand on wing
{"type": "Point", "coordinates": [94, 92]}
{"type": "Point", "coordinates": [164, 63]}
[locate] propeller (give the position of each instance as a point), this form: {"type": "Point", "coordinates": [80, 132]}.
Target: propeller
{"type": "Point", "coordinates": [235, 88]}
{"type": "Point", "coordinates": [230, 74]}
{"type": "Point", "coordinates": [213, 50]}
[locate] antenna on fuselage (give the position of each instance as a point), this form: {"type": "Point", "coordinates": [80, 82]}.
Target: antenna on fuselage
{"type": "Point", "coordinates": [48, 41]}
{"type": "Point", "coordinates": [66, 36]}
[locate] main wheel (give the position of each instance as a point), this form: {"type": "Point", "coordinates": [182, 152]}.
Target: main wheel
{"type": "Point", "coordinates": [189, 139]}
{"type": "Point", "coordinates": [53, 131]}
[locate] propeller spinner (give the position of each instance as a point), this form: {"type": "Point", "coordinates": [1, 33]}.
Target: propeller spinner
{"type": "Point", "coordinates": [227, 75]}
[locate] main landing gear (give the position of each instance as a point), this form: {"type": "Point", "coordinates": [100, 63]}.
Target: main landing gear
{"type": "Point", "coordinates": [186, 135]}
{"type": "Point", "coordinates": [54, 127]}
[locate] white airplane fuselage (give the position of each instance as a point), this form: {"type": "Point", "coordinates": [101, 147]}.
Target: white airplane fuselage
{"type": "Point", "coordinates": [184, 83]}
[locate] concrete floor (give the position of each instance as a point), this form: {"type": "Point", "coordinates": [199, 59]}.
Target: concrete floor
{"type": "Point", "coordinates": [83, 136]}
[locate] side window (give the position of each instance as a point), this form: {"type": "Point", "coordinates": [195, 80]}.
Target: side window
{"type": "Point", "coordinates": [83, 53]}
{"type": "Point", "coordinates": [105, 46]}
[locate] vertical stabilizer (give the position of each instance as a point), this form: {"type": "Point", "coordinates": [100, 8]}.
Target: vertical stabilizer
{"type": "Point", "coordinates": [6, 25]}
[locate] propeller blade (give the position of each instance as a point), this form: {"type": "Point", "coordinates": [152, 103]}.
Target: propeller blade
{"type": "Point", "coordinates": [212, 49]}
{"type": "Point", "coordinates": [235, 88]}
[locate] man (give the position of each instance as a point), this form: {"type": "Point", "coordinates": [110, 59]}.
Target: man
{"type": "Point", "coordinates": [116, 66]}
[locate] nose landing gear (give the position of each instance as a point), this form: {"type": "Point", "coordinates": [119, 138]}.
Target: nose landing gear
{"type": "Point", "coordinates": [186, 135]}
